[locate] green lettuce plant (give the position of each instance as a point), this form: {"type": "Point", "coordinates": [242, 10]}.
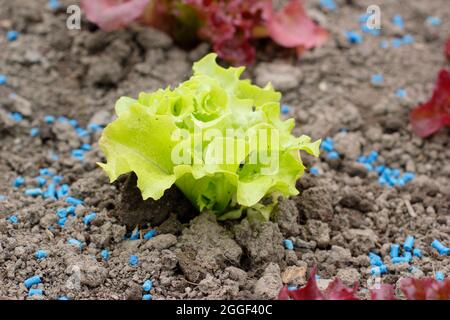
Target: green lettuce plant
{"type": "Point", "coordinates": [219, 139]}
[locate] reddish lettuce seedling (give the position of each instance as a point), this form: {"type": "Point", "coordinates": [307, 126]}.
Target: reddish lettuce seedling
{"type": "Point", "coordinates": [430, 117]}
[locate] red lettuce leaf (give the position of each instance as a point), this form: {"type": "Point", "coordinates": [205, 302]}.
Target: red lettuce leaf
{"type": "Point", "coordinates": [431, 116]}
{"type": "Point", "coordinates": [425, 289]}
{"type": "Point", "coordinates": [293, 28]}
{"type": "Point", "coordinates": [385, 292]}
{"type": "Point", "coordinates": [110, 15]}
{"type": "Point", "coordinates": [336, 290]}
{"type": "Point", "coordinates": [412, 288]}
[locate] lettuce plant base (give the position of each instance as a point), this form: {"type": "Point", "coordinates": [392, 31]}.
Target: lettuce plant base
{"type": "Point", "coordinates": [340, 215]}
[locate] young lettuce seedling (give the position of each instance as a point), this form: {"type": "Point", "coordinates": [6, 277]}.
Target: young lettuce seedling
{"type": "Point", "coordinates": [219, 139]}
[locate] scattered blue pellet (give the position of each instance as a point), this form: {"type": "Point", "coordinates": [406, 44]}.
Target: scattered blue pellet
{"type": "Point", "coordinates": [439, 276]}
{"type": "Point", "coordinates": [18, 182]}
{"type": "Point", "coordinates": [71, 210]}
{"type": "Point", "coordinates": [314, 171]}
{"type": "Point", "coordinates": [74, 201]}
{"type": "Point", "coordinates": [433, 21]}
{"type": "Point", "coordinates": [86, 147]}
{"type": "Point", "coordinates": [378, 270]}
{"type": "Point", "coordinates": [409, 243]}
{"type": "Point", "coordinates": [16, 116]}
{"type": "Point", "coordinates": [407, 255]}
{"type": "Point", "coordinates": [95, 127]}
{"type": "Point", "coordinates": [147, 297]}
{"type": "Point", "coordinates": [401, 93]}
{"type": "Point", "coordinates": [292, 287]}
{"type": "Point", "coordinates": [57, 179]}
{"type": "Point", "coordinates": [41, 181]}
{"type": "Point", "coordinates": [133, 260]}
{"type": "Point", "coordinates": [328, 5]}
{"type": "Point", "coordinates": [34, 132]}
{"type": "Point", "coordinates": [75, 242]}
{"type": "Point", "coordinates": [61, 212]}
{"type": "Point", "coordinates": [63, 298]}
{"type": "Point", "coordinates": [32, 281]}
{"type": "Point", "coordinates": [12, 35]}
{"type": "Point", "coordinates": [354, 37]}
{"type": "Point", "coordinates": [81, 132]}
{"type": "Point", "coordinates": [417, 253]}
{"type": "Point", "coordinates": [284, 109]}
{"type": "Point", "coordinates": [327, 144]}
{"type": "Point", "coordinates": [408, 39]}
{"type": "Point", "coordinates": [40, 254]}
{"type": "Point", "coordinates": [78, 154]}
{"type": "Point", "coordinates": [3, 79]}
{"type": "Point", "coordinates": [62, 222]}
{"type": "Point", "coordinates": [333, 155]}
{"type": "Point", "coordinates": [62, 191]}
{"type": "Point", "coordinates": [150, 234]}
{"type": "Point", "coordinates": [33, 192]}
{"type": "Point", "coordinates": [147, 286]}
{"type": "Point", "coordinates": [288, 244]}
{"type": "Point", "coordinates": [397, 42]}
{"type": "Point", "coordinates": [375, 260]}
{"type": "Point", "coordinates": [49, 119]}
{"type": "Point", "coordinates": [440, 247]}
{"type": "Point", "coordinates": [50, 193]}
{"type": "Point", "coordinates": [377, 79]}
{"type": "Point", "coordinates": [53, 4]}
{"type": "Point", "coordinates": [13, 219]}
{"type": "Point", "coordinates": [105, 255]}
{"type": "Point", "coordinates": [73, 123]}
{"type": "Point", "coordinates": [88, 218]}
{"type": "Point", "coordinates": [395, 250]}
{"type": "Point", "coordinates": [398, 21]}
{"type": "Point", "coordinates": [35, 292]}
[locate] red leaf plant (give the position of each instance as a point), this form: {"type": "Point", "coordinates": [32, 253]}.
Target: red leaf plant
{"type": "Point", "coordinates": [413, 289]}
{"type": "Point", "coordinates": [431, 116]}
{"type": "Point", "coordinates": [231, 26]}
{"type": "Point", "coordinates": [110, 15]}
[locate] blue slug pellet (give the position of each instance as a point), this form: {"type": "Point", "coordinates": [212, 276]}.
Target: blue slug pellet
{"type": "Point", "coordinates": [18, 182]}
{"type": "Point", "coordinates": [395, 250]}
{"type": "Point", "coordinates": [150, 234]}
{"type": "Point", "coordinates": [133, 260]}
{"type": "Point", "coordinates": [439, 276]}
{"type": "Point", "coordinates": [409, 243]}
{"type": "Point", "coordinates": [33, 192]}
{"type": "Point", "coordinates": [440, 247]}
{"type": "Point", "coordinates": [378, 270]}
{"type": "Point", "coordinates": [417, 253]}
{"type": "Point", "coordinates": [147, 297]}
{"type": "Point", "coordinates": [147, 286]}
{"type": "Point", "coordinates": [32, 281]}
{"type": "Point", "coordinates": [105, 255]}
{"type": "Point", "coordinates": [88, 218]}
{"type": "Point", "coordinates": [74, 201]}
{"type": "Point", "coordinates": [35, 292]}
{"type": "Point", "coordinates": [288, 244]}
{"type": "Point", "coordinates": [40, 254]}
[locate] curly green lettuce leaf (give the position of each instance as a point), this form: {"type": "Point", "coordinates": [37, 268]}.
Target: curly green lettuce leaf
{"type": "Point", "coordinates": [219, 139]}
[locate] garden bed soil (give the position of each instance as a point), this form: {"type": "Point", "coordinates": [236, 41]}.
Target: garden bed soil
{"type": "Point", "coordinates": [340, 215]}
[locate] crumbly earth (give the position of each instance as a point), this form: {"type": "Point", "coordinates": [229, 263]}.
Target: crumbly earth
{"type": "Point", "coordinates": [340, 215]}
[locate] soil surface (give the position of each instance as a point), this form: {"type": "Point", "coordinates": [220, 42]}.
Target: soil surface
{"type": "Point", "coordinates": [341, 214]}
